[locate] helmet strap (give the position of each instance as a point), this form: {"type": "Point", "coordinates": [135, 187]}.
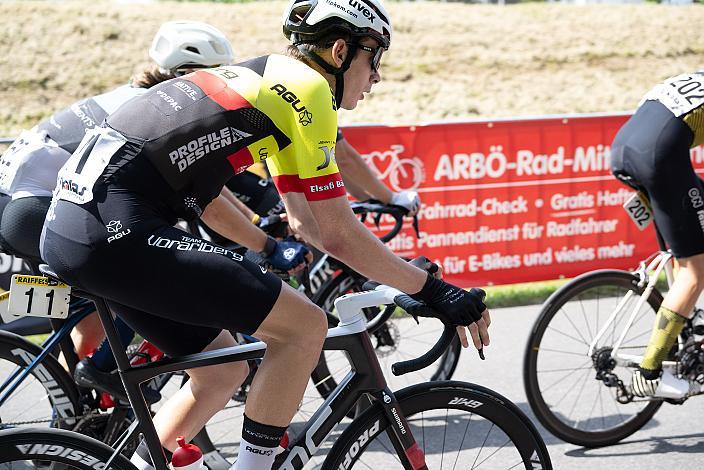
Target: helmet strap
{"type": "Point", "coordinates": [337, 72]}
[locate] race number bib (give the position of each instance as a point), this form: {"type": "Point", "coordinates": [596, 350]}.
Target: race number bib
{"type": "Point", "coordinates": [78, 176]}
{"type": "Point", "coordinates": [638, 209]}
{"type": "Point", "coordinates": [679, 94]}
{"type": "Point", "coordinates": [37, 296]}
{"type": "Point", "coordinates": [10, 161]}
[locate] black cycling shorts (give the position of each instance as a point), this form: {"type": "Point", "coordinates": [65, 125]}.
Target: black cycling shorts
{"type": "Point", "coordinates": [174, 289]}
{"type": "Point", "coordinates": [653, 149]}
{"type": "Point", "coordinates": [259, 194]}
{"type": "Point", "coordinates": [21, 222]}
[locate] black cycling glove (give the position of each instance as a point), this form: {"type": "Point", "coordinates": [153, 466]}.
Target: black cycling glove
{"type": "Point", "coordinates": [425, 264]}
{"type": "Point", "coordinates": [460, 306]}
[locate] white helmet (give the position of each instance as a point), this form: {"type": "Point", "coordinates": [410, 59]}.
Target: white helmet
{"type": "Point", "coordinates": [181, 44]}
{"type": "Point", "coordinates": [304, 20]}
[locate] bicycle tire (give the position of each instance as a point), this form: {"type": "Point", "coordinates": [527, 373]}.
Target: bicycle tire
{"type": "Point", "coordinates": [58, 385]}
{"type": "Point", "coordinates": [325, 380]}
{"type": "Point", "coordinates": [480, 407]}
{"type": "Point", "coordinates": [44, 448]}
{"type": "Point", "coordinates": [585, 286]}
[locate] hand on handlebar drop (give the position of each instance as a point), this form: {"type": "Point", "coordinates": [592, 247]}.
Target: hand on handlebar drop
{"type": "Point", "coordinates": [466, 309]}
{"type": "Point", "coordinates": [410, 200]}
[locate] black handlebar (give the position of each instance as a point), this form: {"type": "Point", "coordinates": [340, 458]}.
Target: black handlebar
{"type": "Point", "coordinates": [378, 208]}
{"type": "Point", "coordinates": [419, 309]}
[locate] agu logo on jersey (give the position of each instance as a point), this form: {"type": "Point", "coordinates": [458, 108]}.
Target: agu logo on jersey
{"type": "Point", "coordinates": [305, 117]}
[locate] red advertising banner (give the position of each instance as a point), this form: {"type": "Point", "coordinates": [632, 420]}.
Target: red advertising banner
{"type": "Point", "coordinates": [513, 200]}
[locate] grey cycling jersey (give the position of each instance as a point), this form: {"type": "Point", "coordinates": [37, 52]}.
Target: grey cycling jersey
{"type": "Point", "coordinates": [68, 126]}
{"type": "Point", "coordinates": [30, 166]}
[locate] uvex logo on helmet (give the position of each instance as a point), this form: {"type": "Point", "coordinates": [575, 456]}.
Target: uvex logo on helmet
{"type": "Point", "coordinates": [366, 12]}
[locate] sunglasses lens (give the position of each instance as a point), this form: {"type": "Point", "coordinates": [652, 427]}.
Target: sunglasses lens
{"type": "Point", "coordinates": [376, 59]}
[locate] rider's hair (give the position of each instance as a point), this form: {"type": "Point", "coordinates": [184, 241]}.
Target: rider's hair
{"type": "Point", "coordinates": [320, 44]}
{"type": "Point", "coordinates": [150, 76]}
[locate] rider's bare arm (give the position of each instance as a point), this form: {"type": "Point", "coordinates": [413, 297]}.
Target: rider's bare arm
{"type": "Point", "coordinates": [334, 229]}
{"type": "Point", "coordinates": [301, 219]}
{"type": "Point", "coordinates": [360, 180]}
{"type": "Point", "coordinates": [241, 206]}
{"type": "Point", "coordinates": [223, 216]}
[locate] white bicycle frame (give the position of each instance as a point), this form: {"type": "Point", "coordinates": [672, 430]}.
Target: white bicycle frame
{"type": "Point", "coordinates": [662, 261]}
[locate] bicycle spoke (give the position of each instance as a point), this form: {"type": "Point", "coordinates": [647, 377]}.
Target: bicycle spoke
{"type": "Point", "coordinates": [482, 446]}
{"type": "Point", "coordinates": [494, 453]}
{"type": "Point", "coordinates": [584, 315]}
{"type": "Point", "coordinates": [564, 370]}
{"type": "Point", "coordinates": [464, 436]}
{"type": "Point", "coordinates": [575, 326]}
{"type": "Point", "coordinates": [576, 401]}
{"type": "Point", "coordinates": [568, 336]}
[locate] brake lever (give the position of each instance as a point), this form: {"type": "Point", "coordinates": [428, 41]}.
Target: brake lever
{"type": "Point", "coordinates": [306, 280]}
{"type": "Point", "coordinates": [377, 219]}
{"type": "Point", "coordinates": [415, 226]}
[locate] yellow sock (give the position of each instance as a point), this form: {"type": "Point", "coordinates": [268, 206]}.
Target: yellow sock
{"type": "Point", "coordinates": [668, 325]}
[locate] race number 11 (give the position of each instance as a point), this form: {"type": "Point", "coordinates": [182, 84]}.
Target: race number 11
{"type": "Point", "coordinates": [34, 296]}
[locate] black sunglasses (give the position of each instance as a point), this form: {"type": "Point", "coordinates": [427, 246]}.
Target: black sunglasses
{"type": "Point", "coordinates": [376, 53]}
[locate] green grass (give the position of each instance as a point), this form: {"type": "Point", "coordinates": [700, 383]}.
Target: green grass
{"type": "Point", "coordinates": [521, 294]}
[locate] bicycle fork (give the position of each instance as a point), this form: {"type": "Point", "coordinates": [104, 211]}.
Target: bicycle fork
{"type": "Point", "coordinates": [399, 432]}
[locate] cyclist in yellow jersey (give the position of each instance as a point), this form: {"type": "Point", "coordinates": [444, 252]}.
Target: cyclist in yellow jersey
{"type": "Point", "coordinates": [168, 153]}
{"type": "Point", "coordinates": [651, 153]}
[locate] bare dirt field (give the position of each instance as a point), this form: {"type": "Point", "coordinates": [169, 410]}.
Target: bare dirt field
{"type": "Point", "coordinates": [448, 60]}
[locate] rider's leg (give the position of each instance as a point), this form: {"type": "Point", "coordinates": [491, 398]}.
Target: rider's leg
{"type": "Point", "coordinates": [102, 358]}
{"type": "Point", "coordinates": [294, 332]}
{"type": "Point", "coordinates": [87, 335]}
{"type": "Point", "coordinates": [676, 308]}
{"type": "Point", "coordinates": [189, 409]}
{"type": "Point", "coordinates": [207, 392]}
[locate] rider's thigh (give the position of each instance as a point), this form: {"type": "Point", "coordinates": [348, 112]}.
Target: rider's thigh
{"type": "Point", "coordinates": [294, 318]}
{"type": "Point", "coordinates": [174, 338]}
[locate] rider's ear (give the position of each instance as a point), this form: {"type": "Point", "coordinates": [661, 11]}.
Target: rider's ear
{"type": "Point", "coordinates": [339, 52]}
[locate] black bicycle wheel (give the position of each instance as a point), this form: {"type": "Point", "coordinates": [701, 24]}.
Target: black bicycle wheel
{"type": "Point", "coordinates": [456, 424]}
{"type": "Point", "coordinates": [48, 396]}
{"type": "Point", "coordinates": [399, 339]}
{"type": "Point", "coordinates": [560, 377]}
{"type": "Point", "coordinates": [27, 448]}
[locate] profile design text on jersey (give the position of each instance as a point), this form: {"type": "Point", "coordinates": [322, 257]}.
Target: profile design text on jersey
{"type": "Point", "coordinates": [187, 154]}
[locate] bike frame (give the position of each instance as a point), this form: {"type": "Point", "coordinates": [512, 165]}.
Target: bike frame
{"type": "Point", "coordinates": [649, 272]}
{"type": "Point", "coordinates": [79, 309]}
{"type": "Point", "coordinates": [365, 378]}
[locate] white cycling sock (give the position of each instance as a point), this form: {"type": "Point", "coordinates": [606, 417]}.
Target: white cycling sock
{"type": "Point", "coordinates": [258, 446]}
{"type": "Point", "coordinates": [253, 457]}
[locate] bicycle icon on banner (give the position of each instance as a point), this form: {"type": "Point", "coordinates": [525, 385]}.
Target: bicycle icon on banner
{"type": "Point", "coordinates": [402, 173]}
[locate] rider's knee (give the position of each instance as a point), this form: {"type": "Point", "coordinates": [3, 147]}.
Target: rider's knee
{"type": "Point", "coordinates": [691, 272]}
{"type": "Point", "coordinates": [311, 327]}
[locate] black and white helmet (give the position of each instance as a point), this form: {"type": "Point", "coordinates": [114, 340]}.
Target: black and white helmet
{"type": "Point", "coordinates": [306, 20]}
{"type": "Point", "coordinates": [182, 44]}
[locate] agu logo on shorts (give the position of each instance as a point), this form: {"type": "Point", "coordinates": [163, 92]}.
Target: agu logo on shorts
{"type": "Point", "coordinates": [115, 227]}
